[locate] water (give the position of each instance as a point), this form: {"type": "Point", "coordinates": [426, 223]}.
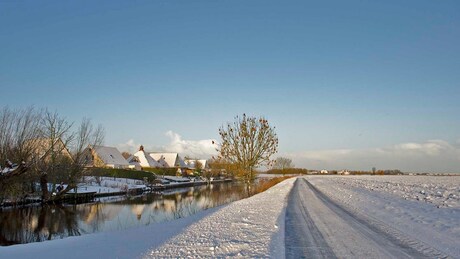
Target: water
{"type": "Point", "coordinates": [40, 223]}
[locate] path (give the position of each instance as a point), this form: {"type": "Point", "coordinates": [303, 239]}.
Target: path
{"type": "Point", "coordinates": [316, 227]}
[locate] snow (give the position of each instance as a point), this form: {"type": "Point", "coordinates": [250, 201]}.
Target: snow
{"type": "Point", "coordinates": [108, 184]}
{"type": "Point", "coordinates": [399, 202]}
{"type": "Point", "coordinates": [251, 227]}
{"type": "Point", "coordinates": [254, 227]}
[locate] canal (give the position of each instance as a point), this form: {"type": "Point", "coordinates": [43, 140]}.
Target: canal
{"type": "Point", "coordinates": [40, 223]}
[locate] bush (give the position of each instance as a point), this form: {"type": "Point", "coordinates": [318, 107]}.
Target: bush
{"type": "Point", "coordinates": [288, 171]}
{"type": "Point", "coordinates": [161, 171]}
{"type": "Point", "coordinates": [265, 184]}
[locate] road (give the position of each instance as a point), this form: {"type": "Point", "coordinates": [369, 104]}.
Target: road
{"type": "Point", "coordinates": [317, 227]}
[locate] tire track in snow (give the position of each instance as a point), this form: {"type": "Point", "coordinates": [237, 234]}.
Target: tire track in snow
{"type": "Point", "coordinates": [397, 243]}
{"type": "Point", "coordinates": [302, 238]}
{"type": "Point", "coordinates": [316, 227]}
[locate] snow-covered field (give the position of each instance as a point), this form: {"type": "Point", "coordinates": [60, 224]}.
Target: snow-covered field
{"type": "Point", "coordinates": [254, 227]}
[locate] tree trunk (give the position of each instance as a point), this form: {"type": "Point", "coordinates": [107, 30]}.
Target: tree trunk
{"type": "Point", "coordinates": [44, 187]}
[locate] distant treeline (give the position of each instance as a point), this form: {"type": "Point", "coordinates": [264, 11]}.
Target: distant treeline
{"type": "Point", "coordinates": [288, 171]}
{"type": "Point", "coordinates": [306, 171]}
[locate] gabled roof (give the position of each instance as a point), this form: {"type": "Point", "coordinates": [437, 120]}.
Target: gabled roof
{"type": "Point", "coordinates": [44, 146]}
{"type": "Point", "coordinates": [168, 159]}
{"type": "Point", "coordinates": [110, 155]}
{"type": "Point", "coordinates": [191, 163]}
{"type": "Point", "coordinates": [144, 159]}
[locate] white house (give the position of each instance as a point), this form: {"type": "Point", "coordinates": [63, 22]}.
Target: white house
{"type": "Point", "coordinates": [168, 160]}
{"type": "Point", "coordinates": [142, 159]}
{"type": "Point", "coordinates": [324, 172]}
{"type": "Point", "coordinates": [192, 163]}
{"type": "Point", "coordinates": [343, 172]}
{"type": "Point", "coordinates": [100, 156]}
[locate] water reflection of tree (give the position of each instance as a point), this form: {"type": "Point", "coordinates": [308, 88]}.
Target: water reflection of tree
{"type": "Point", "coordinates": [96, 214]}
{"type": "Point", "coordinates": [34, 224]}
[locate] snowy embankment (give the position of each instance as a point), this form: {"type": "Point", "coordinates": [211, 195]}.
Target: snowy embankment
{"type": "Point", "coordinates": [423, 208]}
{"type": "Point", "coordinates": [108, 184]}
{"type": "Point", "coordinates": [253, 227]}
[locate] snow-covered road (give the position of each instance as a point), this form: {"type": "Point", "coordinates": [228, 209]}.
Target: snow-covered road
{"type": "Point", "coordinates": [317, 227]}
{"type": "Point", "coordinates": [394, 205]}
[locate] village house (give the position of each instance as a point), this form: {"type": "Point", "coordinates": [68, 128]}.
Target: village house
{"type": "Point", "coordinates": [168, 160]}
{"type": "Point", "coordinates": [142, 159]}
{"type": "Point", "coordinates": [196, 163]}
{"type": "Point", "coordinates": [46, 148]}
{"type": "Point", "coordinates": [343, 172]}
{"type": "Point", "coordinates": [100, 156]}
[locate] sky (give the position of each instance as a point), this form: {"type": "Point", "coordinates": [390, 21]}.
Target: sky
{"type": "Point", "coordinates": [347, 84]}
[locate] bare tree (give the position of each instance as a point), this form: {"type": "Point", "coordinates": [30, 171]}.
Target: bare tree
{"type": "Point", "coordinates": [247, 143]}
{"type": "Point", "coordinates": [72, 168]}
{"type": "Point", "coordinates": [51, 150]}
{"type": "Point", "coordinates": [283, 163]}
{"type": "Point", "coordinates": [17, 128]}
{"type": "Point", "coordinates": [198, 165]}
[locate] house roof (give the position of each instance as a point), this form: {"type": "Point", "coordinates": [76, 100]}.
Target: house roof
{"type": "Point", "coordinates": [110, 155]}
{"type": "Point", "coordinates": [43, 146]}
{"type": "Point", "coordinates": [191, 163]}
{"type": "Point", "coordinates": [145, 160]}
{"type": "Point", "coordinates": [168, 159]}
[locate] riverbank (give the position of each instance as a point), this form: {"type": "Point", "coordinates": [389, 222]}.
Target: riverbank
{"type": "Point", "coordinates": [253, 227]}
{"type": "Point", "coordinates": [98, 187]}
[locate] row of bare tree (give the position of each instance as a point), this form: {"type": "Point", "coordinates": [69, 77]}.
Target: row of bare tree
{"type": "Point", "coordinates": [48, 148]}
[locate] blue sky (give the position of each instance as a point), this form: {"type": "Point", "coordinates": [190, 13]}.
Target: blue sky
{"type": "Point", "coordinates": [350, 84]}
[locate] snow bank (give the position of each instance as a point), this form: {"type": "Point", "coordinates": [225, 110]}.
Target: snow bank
{"type": "Point", "coordinates": [253, 227]}
{"type": "Point", "coordinates": [108, 184]}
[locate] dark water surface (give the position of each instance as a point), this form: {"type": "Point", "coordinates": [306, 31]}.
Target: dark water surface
{"type": "Point", "coordinates": [40, 223]}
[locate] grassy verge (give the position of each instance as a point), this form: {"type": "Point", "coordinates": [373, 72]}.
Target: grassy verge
{"type": "Point", "coordinates": [266, 183]}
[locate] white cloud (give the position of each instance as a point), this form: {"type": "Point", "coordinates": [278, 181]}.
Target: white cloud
{"type": "Point", "coordinates": [431, 147]}
{"type": "Point", "coordinates": [130, 146]}
{"type": "Point", "coordinates": [193, 148]}
{"type": "Point", "coordinates": [428, 156]}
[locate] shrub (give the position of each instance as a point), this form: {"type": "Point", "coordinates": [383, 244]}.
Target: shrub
{"type": "Point", "coordinates": [161, 171]}
{"type": "Point", "coordinates": [287, 171]}
{"type": "Point", "coordinates": [266, 183]}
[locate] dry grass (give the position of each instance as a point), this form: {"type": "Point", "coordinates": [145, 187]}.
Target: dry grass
{"type": "Point", "coordinates": [265, 184]}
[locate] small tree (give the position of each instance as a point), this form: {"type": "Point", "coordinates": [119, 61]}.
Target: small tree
{"type": "Point", "coordinates": [126, 155]}
{"type": "Point", "coordinates": [283, 163]}
{"type": "Point", "coordinates": [247, 143]}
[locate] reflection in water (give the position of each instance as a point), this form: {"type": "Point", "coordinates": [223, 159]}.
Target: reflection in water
{"type": "Point", "coordinates": [40, 223]}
